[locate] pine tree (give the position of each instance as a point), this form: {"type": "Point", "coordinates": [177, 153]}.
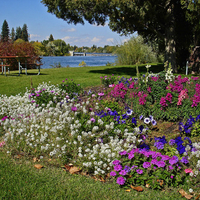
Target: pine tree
{"type": "Point", "coordinates": [24, 35]}
{"type": "Point", "coordinates": [18, 33]}
{"type": "Point", "coordinates": [12, 35]}
{"type": "Point", "coordinates": [5, 31]}
{"type": "Point", "coordinates": [51, 39]}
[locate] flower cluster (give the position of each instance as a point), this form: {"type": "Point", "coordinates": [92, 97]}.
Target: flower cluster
{"type": "Point", "coordinates": [119, 91]}
{"type": "Point", "coordinates": [183, 95]}
{"type": "Point", "coordinates": [140, 166]}
{"type": "Point", "coordinates": [108, 80]}
{"type": "Point", "coordinates": [164, 101]}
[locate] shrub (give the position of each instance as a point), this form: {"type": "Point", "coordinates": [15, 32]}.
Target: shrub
{"type": "Point", "coordinates": [135, 51]}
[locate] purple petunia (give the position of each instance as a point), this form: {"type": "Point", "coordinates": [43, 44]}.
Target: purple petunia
{"type": "Point", "coordinates": [113, 173]}
{"type": "Point", "coordinates": [123, 153]}
{"type": "Point", "coordinates": [74, 108]}
{"type": "Point", "coordinates": [184, 160]}
{"type": "Point", "coordinates": [160, 163]}
{"type": "Point", "coordinates": [117, 168]}
{"type": "Point", "coordinates": [130, 155]}
{"type": "Point", "coordinates": [116, 162]}
{"type": "Point", "coordinates": [173, 160]}
{"type": "Point", "coordinates": [146, 165]}
{"type": "Point", "coordinates": [159, 145]}
{"type": "Point", "coordinates": [127, 168]}
{"type": "Point", "coordinates": [172, 142]}
{"type": "Point", "coordinates": [121, 180]}
{"type": "Point", "coordinates": [123, 172]}
{"type": "Point", "coordinates": [139, 171]}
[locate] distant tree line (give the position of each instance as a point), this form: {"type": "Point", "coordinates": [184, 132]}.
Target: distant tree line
{"type": "Point", "coordinates": [20, 33]}
{"type": "Point", "coordinates": [58, 47]}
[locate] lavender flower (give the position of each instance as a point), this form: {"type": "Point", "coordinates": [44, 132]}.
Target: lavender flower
{"type": "Point", "coordinates": [172, 142]}
{"type": "Point", "coordinates": [159, 145]}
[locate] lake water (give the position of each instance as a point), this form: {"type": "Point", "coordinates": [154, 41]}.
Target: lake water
{"type": "Point", "coordinates": [73, 61]}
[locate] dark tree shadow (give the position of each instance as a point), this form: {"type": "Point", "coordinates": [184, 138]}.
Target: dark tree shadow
{"type": "Point", "coordinates": [129, 70]}
{"type": "Point", "coordinates": [23, 73]}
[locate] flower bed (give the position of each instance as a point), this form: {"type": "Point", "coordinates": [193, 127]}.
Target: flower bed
{"type": "Point", "coordinates": [107, 131]}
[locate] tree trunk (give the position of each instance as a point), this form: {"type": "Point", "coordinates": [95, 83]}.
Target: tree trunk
{"type": "Point", "coordinates": [170, 43]}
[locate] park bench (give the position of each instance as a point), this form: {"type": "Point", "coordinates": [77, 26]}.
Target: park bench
{"type": "Point", "coordinates": [3, 68]}
{"type": "Point", "coordinates": [7, 58]}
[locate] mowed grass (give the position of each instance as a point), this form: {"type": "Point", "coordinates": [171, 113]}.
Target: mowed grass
{"type": "Point", "coordinates": [19, 179]}
{"type": "Point", "coordinates": [13, 84]}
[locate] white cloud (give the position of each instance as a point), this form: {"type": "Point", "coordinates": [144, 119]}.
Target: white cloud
{"type": "Point", "coordinates": [125, 40]}
{"type": "Point", "coordinates": [110, 40]}
{"type": "Point", "coordinates": [95, 39]}
{"type": "Point", "coordinates": [69, 30]}
{"type": "Point", "coordinates": [34, 36]}
{"type": "Point", "coordinates": [67, 38]}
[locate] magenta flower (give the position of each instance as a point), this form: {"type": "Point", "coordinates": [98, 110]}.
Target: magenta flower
{"type": "Point", "coordinates": [123, 153]}
{"type": "Point", "coordinates": [101, 94]}
{"type": "Point", "coordinates": [171, 167]}
{"type": "Point", "coordinates": [160, 163]}
{"type": "Point", "coordinates": [139, 171]}
{"type": "Point", "coordinates": [173, 160]}
{"type": "Point", "coordinates": [74, 109]}
{"type": "Point", "coordinates": [113, 173]}
{"type": "Point", "coordinates": [121, 180]}
{"type": "Point", "coordinates": [146, 165]}
{"type": "Point", "coordinates": [123, 172]}
{"type": "Point", "coordinates": [117, 168]}
{"type": "Point", "coordinates": [116, 162]}
{"type": "Point", "coordinates": [92, 120]}
{"type": "Point", "coordinates": [130, 155]}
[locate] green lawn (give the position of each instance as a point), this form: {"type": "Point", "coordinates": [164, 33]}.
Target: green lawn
{"type": "Point", "coordinates": [20, 180]}
{"type": "Point", "coordinates": [13, 84]}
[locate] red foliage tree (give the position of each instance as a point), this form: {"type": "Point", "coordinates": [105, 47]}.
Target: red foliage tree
{"type": "Point", "coordinates": [23, 49]}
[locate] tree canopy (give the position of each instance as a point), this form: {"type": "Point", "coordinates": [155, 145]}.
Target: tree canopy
{"type": "Point", "coordinates": [168, 22]}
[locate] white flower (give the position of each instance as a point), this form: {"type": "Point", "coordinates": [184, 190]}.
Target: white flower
{"type": "Point", "coordinates": [190, 190]}
{"type": "Point", "coordinates": [147, 120]}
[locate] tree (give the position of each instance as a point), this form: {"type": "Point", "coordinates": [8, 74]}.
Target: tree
{"type": "Point", "coordinates": [156, 20]}
{"type": "Point", "coordinates": [18, 34]}
{"type": "Point", "coordinates": [24, 35]}
{"type": "Point", "coordinates": [5, 32]}
{"type": "Point", "coordinates": [12, 35]}
{"type": "Point", "coordinates": [51, 39]}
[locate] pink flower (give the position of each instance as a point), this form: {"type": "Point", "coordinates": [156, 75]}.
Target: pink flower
{"type": "Point", "coordinates": [2, 144]}
{"type": "Point", "coordinates": [101, 94]}
{"type": "Point", "coordinates": [92, 120]}
{"type": "Point", "coordinates": [189, 170]}
{"type": "Point", "coordinates": [74, 108]}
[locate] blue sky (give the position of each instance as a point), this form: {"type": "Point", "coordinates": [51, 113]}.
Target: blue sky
{"type": "Point", "coordinates": [41, 24]}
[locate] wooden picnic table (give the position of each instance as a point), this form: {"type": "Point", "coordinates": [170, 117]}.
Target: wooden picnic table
{"type": "Point", "coordinates": [5, 60]}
